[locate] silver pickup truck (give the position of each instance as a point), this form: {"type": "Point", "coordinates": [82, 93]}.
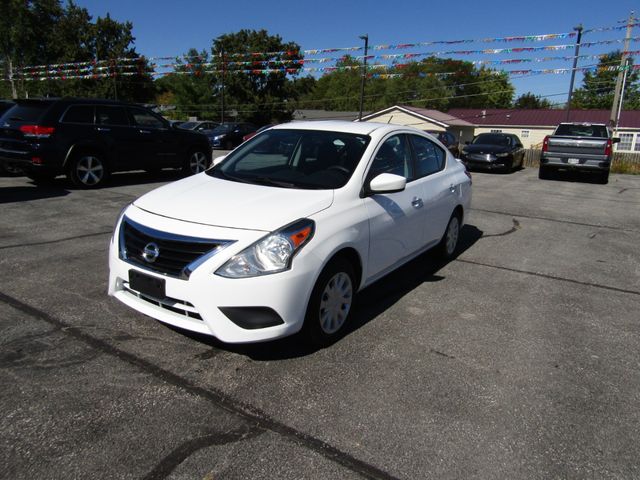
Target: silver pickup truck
{"type": "Point", "coordinates": [578, 146]}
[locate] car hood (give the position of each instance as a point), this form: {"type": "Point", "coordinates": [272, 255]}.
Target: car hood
{"type": "Point", "coordinates": [486, 148]}
{"type": "Point", "coordinates": [223, 203]}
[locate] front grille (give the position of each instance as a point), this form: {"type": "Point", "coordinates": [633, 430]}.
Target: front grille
{"type": "Point", "coordinates": [162, 252]}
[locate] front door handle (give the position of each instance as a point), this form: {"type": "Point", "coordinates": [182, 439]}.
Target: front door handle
{"type": "Point", "coordinates": [452, 188]}
{"type": "Point", "coordinates": [417, 202]}
{"type": "Point", "coordinates": [144, 131]}
{"type": "Point", "coordinates": [102, 129]}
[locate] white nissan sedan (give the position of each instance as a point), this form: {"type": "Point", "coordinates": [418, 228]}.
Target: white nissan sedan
{"type": "Point", "coordinates": [281, 235]}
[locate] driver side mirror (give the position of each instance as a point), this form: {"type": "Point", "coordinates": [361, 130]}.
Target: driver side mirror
{"type": "Point", "coordinates": [385, 183]}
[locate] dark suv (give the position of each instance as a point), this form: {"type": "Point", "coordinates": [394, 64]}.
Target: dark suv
{"type": "Point", "coordinates": [89, 139]}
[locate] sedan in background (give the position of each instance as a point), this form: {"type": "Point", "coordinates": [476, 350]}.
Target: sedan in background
{"type": "Point", "coordinates": [198, 126]}
{"type": "Point", "coordinates": [281, 235]}
{"type": "Point", "coordinates": [493, 151]}
{"type": "Point", "coordinates": [228, 136]}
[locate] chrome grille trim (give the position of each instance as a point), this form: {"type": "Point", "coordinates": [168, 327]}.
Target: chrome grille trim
{"type": "Point", "coordinates": [179, 255]}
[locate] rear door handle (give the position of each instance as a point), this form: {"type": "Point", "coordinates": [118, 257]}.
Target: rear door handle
{"type": "Point", "coordinates": [417, 202]}
{"type": "Point", "coordinates": [103, 129]}
{"type": "Point", "coordinates": [452, 188]}
{"type": "Point", "coordinates": [144, 131]}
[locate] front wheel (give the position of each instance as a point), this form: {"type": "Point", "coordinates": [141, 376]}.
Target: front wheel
{"type": "Point", "coordinates": [197, 162]}
{"type": "Point", "coordinates": [87, 170]}
{"type": "Point", "coordinates": [330, 304]}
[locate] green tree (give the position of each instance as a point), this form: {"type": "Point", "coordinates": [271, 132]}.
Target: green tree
{"type": "Point", "coordinates": [264, 95]}
{"type": "Point", "coordinates": [528, 101]}
{"type": "Point", "coordinates": [598, 87]}
{"type": "Point", "coordinates": [43, 32]}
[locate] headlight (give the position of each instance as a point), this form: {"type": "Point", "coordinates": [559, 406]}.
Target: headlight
{"type": "Point", "coordinates": [218, 137]}
{"type": "Point", "coordinates": [118, 220]}
{"type": "Point", "coordinates": [502, 155]}
{"type": "Point", "coordinates": [270, 254]}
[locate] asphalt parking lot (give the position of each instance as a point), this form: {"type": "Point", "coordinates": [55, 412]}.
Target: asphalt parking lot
{"type": "Point", "coordinates": [519, 359]}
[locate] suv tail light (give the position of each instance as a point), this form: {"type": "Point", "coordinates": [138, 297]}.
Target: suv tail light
{"type": "Point", "coordinates": [545, 144]}
{"type": "Point", "coordinates": [37, 131]}
{"type": "Point", "coordinates": [609, 148]}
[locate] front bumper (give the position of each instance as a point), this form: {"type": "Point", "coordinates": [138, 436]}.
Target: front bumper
{"type": "Point", "coordinates": [491, 163]}
{"type": "Point", "coordinates": [199, 303]}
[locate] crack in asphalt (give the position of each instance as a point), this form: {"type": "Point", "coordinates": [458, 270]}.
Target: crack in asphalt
{"type": "Point", "coordinates": [169, 463]}
{"type": "Point", "coordinates": [256, 418]}
{"type": "Point", "coordinates": [59, 240]}
{"type": "Point", "coordinates": [516, 227]}
{"type": "Point", "coordinates": [569, 222]}
{"type": "Point", "coordinates": [550, 277]}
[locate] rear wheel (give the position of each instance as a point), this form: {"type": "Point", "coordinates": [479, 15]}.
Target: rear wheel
{"type": "Point", "coordinates": [330, 303]}
{"type": "Point", "coordinates": [543, 173]}
{"type": "Point", "coordinates": [88, 170]}
{"type": "Point", "coordinates": [603, 177]}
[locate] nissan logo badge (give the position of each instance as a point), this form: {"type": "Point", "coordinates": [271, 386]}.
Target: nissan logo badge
{"type": "Point", "coordinates": [151, 252]}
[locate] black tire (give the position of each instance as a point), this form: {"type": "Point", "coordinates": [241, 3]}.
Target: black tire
{"type": "Point", "coordinates": [448, 246]}
{"type": "Point", "coordinates": [543, 173]}
{"type": "Point", "coordinates": [330, 304]}
{"type": "Point", "coordinates": [197, 161]}
{"type": "Point", "coordinates": [88, 170]}
{"type": "Point", "coordinates": [603, 177]}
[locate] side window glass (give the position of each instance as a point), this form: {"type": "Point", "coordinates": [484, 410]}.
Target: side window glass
{"type": "Point", "coordinates": [79, 114]}
{"type": "Point", "coordinates": [143, 118]}
{"type": "Point", "coordinates": [111, 116]}
{"type": "Point", "coordinates": [393, 156]}
{"type": "Point", "coordinates": [429, 157]}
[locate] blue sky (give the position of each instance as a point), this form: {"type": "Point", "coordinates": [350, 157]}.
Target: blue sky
{"type": "Point", "coordinates": [164, 28]}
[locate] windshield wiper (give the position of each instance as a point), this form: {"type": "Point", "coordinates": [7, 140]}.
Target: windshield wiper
{"type": "Point", "coordinates": [271, 181]}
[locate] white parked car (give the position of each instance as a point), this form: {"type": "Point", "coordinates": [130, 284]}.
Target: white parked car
{"type": "Point", "coordinates": [282, 234]}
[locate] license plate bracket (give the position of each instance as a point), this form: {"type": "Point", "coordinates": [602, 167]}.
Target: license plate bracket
{"type": "Point", "coordinates": [147, 285]}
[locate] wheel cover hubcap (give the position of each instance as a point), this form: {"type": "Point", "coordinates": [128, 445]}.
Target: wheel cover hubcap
{"type": "Point", "coordinates": [89, 170]}
{"type": "Point", "coordinates": [335, 302]}
{"type": "Point", "coordinates": [452, 235]}
{"type": "Point", "coordinates": [198, 162]}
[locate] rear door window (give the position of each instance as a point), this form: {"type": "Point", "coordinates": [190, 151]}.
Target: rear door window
{"type": "Point", "coordinates": [106, 115]}
{"type": "Point", "coordinates": [145, 119]}
{"type": "Point", "coordinates": [78, 114]}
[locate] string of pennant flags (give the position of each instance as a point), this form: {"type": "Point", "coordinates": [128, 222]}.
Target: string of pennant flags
{"type": "Point", "coordinates": [371, 74]}
{"type": "Point", "coordinates": [292, 63]}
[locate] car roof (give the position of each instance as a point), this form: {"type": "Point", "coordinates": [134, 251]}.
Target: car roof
{"type": "Point", "coordinates": [359, 128]}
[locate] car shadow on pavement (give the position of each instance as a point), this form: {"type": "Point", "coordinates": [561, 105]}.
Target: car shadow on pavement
{"type": "Point", "coordinates": [31, 192]}
{"type": "Point", "coordinates": [370, 302]}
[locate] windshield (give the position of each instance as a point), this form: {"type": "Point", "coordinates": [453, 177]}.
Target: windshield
{"type": "Point", "coordinates": [305, 159]}
{"type": "Point", "coordinates": [492, 139]}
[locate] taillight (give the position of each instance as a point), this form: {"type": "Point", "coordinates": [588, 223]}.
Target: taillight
{"type": "Point", "coordinates": [37, 131]}
{"type": "Point", "coordinates": [545, 144]}
{"type": "Point", "coordinates": [609, 148]}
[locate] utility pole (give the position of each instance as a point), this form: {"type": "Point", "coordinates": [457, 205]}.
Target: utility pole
{"type": "Point", "coordinates": [364, 72]}
{"type": "Point", "coordinates": [627, 67]}
{"type": "Point", "coordinates": [616, 107]}
{"type": "Point", "coordinates": [573, 70]}
{"type": "Point", "coordinates": [222, 89]}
